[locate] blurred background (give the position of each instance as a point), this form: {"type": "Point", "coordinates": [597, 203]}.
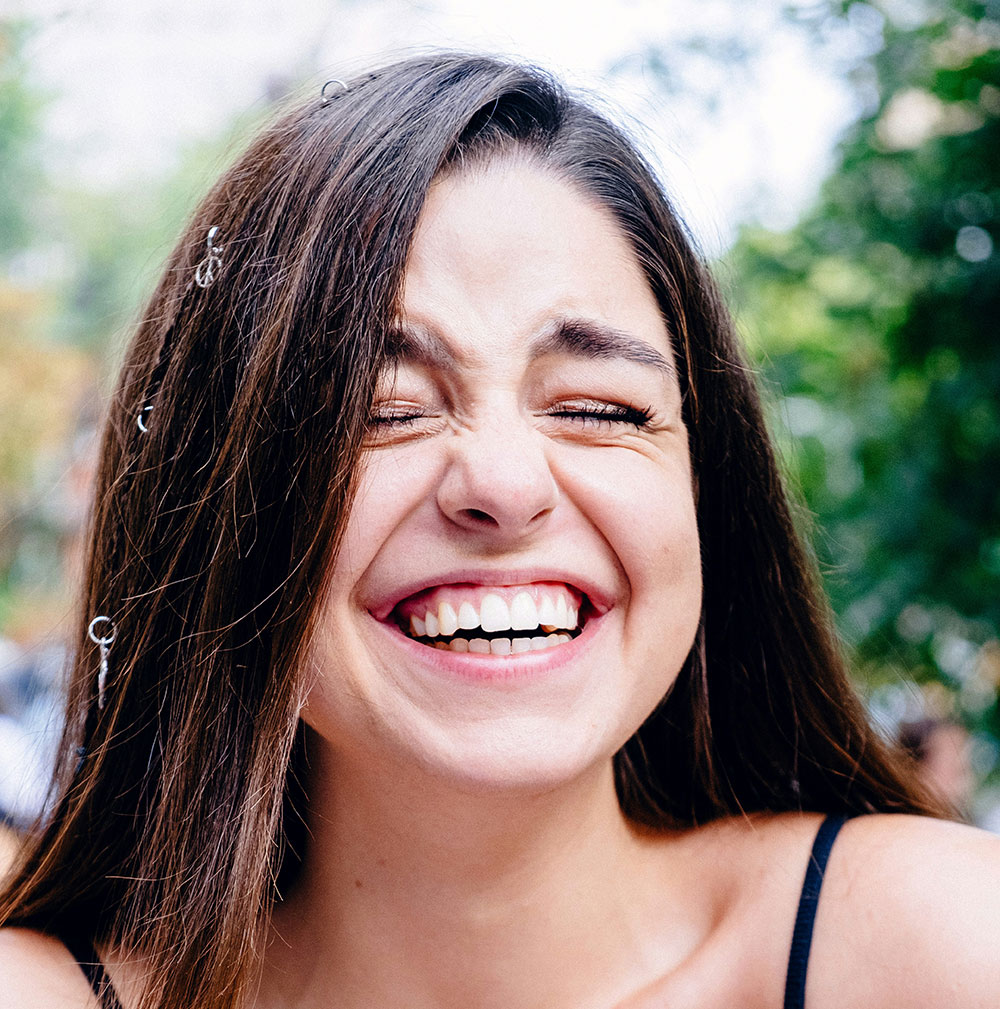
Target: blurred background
{"type": "Point", "coordinates": [838, 161]}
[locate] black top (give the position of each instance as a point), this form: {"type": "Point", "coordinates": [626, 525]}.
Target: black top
{"type": "Point", "coordinates": [798, 959]}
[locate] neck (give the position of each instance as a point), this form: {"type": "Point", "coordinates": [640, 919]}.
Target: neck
{"type": "Point", "coordinates": [418, 894]}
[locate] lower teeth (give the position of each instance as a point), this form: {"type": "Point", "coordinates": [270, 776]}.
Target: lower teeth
{"type": "Point", "coordinates": [502, 646]}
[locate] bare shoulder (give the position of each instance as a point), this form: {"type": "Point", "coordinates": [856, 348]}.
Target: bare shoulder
{"type": "Point", "coordinates": [909, 915]}
{"type": "Point", "coordinates": [38, 972]}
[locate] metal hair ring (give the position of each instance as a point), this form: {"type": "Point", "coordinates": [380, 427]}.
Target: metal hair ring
{"type": "Point", "coordinates": [105, 639]}
{"type": "Point", "coordinates": [104, 642]}
{"type": "Point", "coordinates": [145, 411]}
{"type": "Point", "coordinates": [204, 274]}
{"type": "Point", "coordinates": [325, 95]}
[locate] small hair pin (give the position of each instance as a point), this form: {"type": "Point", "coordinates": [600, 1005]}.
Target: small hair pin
{"type": "Point", "coordinates": [140, 420]}
{"type": "Point", "coordinates": [331, 89]}
{"type": "Point", "coordinates": [206, 270]}
{"type": "Point", "coordinates": [102, 632]}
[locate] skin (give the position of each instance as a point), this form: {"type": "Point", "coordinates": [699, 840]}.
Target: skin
{"type": "Point", "coordinates": [467, 847]}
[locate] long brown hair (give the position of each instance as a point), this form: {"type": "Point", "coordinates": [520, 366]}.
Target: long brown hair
{"type": "Point", "coordinates": [215, 529]}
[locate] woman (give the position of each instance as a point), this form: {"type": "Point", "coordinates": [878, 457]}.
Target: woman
{"type": "Point", "coordinates": [459, 648]}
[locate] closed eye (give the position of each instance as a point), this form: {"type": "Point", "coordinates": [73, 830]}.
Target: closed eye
{"type": "Point", "coordinates": [606, 414]}
{"type": "Point", "coordinates": [395, 415]}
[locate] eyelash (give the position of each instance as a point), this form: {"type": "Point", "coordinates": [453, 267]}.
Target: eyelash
{"type": "Point", "coordinates": [606, 413]}
{"type": "Point", "coordinates": [384, 420]}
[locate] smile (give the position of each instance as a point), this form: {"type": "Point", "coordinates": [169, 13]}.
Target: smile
{"type": "Point", "coordinates": [494, 620]}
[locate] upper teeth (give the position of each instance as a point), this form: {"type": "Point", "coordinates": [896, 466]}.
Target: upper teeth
{"type": "Point", "coordinates": [494, 614]}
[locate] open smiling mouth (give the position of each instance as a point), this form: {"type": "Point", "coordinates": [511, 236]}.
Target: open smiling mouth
{"type": "Point", "coordinates": [501, 621]}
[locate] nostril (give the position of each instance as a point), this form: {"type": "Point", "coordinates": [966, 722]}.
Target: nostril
{"type": "Point", "coordinates": [480, 516]}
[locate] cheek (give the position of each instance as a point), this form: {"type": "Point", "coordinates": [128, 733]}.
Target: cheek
{"type": "Point", "coordinates": [647, 514]}
{"type": "Point", "coordinates": [644, 508]}
{"type": "Point", "coordinates": [389, 489]}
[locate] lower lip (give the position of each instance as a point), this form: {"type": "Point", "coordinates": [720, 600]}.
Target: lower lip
{"type": "Point", "coordinates": [476, 668]}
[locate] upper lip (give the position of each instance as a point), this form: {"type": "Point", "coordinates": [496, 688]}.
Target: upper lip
{"type": "Point", "coordinates": [600, 598]}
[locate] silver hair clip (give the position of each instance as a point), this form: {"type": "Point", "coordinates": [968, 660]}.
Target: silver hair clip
{"type": "Point", "coordinates": [104, 641]}
{"type": "Point", "coordinates": [326, 96]}
{"type": "Point", "coordinates": [140, 421]}
{"type": "Point", "coordinates": [204, 274]}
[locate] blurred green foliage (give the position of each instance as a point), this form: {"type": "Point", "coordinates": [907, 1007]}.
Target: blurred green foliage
{"type": "Point", "coordinates": [19, 153]}
{"type": "Point", "coordinates": [33, 381]}
{"type": "Point", "coordinates": [877, 319]}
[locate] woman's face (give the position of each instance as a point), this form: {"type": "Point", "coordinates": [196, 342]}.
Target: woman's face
{"type": "Point", "coordinates": [520, 580]}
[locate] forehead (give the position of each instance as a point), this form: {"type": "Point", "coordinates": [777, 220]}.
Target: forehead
{"type": "Point", "coordinates": [509, 251]}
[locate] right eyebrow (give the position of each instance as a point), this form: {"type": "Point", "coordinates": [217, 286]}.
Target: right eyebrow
{"type": "Point", "coordinates": [418, 345]}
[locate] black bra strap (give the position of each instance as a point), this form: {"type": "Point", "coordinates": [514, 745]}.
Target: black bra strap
{"type": "Point", "coordinates": [90, 963]}
{"type": "Point", "coordinates": [798, 960]}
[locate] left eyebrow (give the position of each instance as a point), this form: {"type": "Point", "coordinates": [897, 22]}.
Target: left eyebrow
{"type": "Point", "coordinates": [588, 339]}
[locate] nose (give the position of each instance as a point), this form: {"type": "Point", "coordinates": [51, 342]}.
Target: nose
{"type": "Point", "coordinates": [498, 481]}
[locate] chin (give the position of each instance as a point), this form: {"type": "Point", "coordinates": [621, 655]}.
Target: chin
{"type": "Point", "coordinates": [514, 767]}
{"type": "Point", "coordinates": [495, 754]}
